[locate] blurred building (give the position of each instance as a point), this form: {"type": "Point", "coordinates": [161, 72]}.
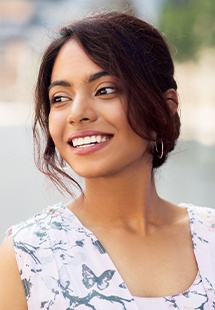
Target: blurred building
{"type": "Point", "coordinates": [25, 29]}
{"type": "Point", "coordinates": [25, 26]}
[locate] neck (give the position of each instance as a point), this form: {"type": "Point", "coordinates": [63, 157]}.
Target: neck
{"type": "Point", "coordinates": [119, 200]}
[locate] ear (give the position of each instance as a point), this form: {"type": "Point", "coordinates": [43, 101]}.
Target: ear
{"type": "Point", "coordinates": [171, 98]}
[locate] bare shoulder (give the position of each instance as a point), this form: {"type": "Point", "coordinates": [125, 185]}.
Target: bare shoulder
{"type": "Point", "coordinates": [173, 214]}
{"type": "Point", "coordinates": [11, 290]}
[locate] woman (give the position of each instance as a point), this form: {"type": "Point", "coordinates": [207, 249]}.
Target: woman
{"type": "Point", "coordinates": [106, 104]}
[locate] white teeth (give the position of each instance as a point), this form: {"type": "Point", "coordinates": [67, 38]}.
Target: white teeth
{"type": "Point", "coordinates": [80, 141]}
{"type": "Point", "coordinates": [88, 141]}
{"type": "Point", "coordinates": [75, 141]}
{"type": "Point", "coordinates": [98, 139]}
{"type": "Point", "coordinates": [93, 139]}
{"type": "Point", "coordinates": [103, 139]}
{"type": "Point", "coordinates": [84, 146]}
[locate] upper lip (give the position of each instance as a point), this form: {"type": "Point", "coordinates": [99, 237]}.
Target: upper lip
{"type": "Point", "coordinates": [87, 133]}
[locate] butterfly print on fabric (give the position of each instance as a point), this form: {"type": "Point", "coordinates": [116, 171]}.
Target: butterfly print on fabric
{"type": "Point", "coordinates": [58, 271]}
{"type": "Point", "coordinates": [90, 279]}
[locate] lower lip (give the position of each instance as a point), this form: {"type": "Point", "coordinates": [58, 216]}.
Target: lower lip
{"type": "Point", "coordinates": [90, 149]}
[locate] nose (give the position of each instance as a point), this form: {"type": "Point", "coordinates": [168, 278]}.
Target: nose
{"type": "Point", "coordinates": [81, 111]}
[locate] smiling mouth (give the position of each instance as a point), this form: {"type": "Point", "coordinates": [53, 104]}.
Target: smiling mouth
{"type": "Point", "coordinates": [89, 141]}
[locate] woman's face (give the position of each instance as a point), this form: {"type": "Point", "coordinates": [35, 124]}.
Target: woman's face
{"type": "Point", "coordinates": [87, 119]}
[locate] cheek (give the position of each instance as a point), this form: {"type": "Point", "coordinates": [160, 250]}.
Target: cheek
{"type": "Point", "coordinates": [116, 116]}
{"type": "Point", "coordinates": [125, 127]}
{"type": "Point", "coordinates": [51, 126]}
{"type": "Point", "coordinates": [55, 125]}
{"type": "Point", "coordinates": [135, 143]}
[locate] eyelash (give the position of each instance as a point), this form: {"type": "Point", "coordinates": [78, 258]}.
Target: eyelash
{"type": "Point", "coordinates": [100, 92]}
{"type": "Point", "coordinates": [58, 99]}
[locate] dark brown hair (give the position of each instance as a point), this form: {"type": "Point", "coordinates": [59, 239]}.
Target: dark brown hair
{"type": "Point", "coordinates": [137, 54]}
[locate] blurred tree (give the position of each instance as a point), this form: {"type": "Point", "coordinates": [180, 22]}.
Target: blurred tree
{"type": "Point", "coordinates": [189, 25]}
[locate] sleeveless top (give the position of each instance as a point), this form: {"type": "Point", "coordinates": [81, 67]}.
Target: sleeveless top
{"type": "Point", "coordinates": [64, 266]}
{"type": "Point", "coordinates": [193, 298]}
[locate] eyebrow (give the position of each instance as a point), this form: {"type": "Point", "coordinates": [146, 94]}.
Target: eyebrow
{"type": "Point", "coordinates": [59, 83]}
{"type": "Point", "coordinates": [96, 76]}
{"type": "Point", "coordinates": [93, 77]}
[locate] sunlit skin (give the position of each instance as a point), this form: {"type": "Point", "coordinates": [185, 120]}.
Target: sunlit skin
{"type": "Point", "coordinates": [85, 106]}
{"type": "Point", "coordinates": [147, 238]}
{"type": "Point", "coordinates": [78, 106]}
{"type": "Point", "coordinates": [120, 201]}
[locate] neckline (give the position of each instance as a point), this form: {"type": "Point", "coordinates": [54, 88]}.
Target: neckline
{"type": "Point", "coordinates": [184, 293]}
{"type": "Point", "coordinates": [69, 212]}
{"type": "Point", "coordinates": [94, 239]}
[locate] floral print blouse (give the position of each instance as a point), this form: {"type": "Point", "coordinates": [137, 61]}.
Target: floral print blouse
{"type": "Point", "coordinates": [63, 266]}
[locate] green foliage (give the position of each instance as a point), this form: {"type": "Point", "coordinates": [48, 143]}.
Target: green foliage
{"type": "Point", "coordinates": [189, 25]}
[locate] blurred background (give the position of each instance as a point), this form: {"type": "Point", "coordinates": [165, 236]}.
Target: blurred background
{"type": "Point", "coordinates": [26, 28]}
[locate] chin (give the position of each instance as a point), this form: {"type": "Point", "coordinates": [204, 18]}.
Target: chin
{"type": "Point", "coordinates": [94, 172]}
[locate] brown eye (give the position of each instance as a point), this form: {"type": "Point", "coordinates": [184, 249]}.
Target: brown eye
{"type": "Point", "coordinates": [59, 99]}
{"type": "Point", "coordinates": [105, 91]}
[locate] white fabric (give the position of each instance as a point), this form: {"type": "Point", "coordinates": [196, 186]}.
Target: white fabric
{"type": "Point", "coordinates": [64, 266]}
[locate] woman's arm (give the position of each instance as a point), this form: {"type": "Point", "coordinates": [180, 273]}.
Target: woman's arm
{"type": "Point", "coordinates": [12, 295]}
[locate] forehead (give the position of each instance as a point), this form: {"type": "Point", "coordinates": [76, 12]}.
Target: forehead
{"type": "Point", "coordinates": [72, 61]}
